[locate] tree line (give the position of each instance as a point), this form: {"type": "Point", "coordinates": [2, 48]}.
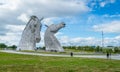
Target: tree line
{"type": "Point", "coordinates": [89, 49]}
{"type": "Point", "coordinates": [4, 46]}
{"type": "Point", "coordinates": [75, 48]}
{"type": "Point", "coordinates": [94, 49]}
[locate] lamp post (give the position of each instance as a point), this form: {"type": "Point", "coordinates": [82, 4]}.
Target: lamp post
{"type": "Point", "coordinates": [102, 40]}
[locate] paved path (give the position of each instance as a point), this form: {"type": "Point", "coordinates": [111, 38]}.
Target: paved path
{"type": "Point", "coordinates": [116, 57]}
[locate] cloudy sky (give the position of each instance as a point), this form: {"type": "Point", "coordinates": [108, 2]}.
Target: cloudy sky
{"type": "Point", "coordinates": [85, 20]}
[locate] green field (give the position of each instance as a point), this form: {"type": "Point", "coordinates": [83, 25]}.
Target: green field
{"type": "Point", "coordinates": [28, 63]}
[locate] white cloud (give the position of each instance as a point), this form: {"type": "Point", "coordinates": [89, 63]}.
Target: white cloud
{"type": "Point", "coordinates": [49, 21]}
{"type": "Point", "coordinates": [15, 28]}
{"type": "Point", "coordinates": [77, 41]}
{"type": "Point", "coordinates": [9, 6]}
{"type": "Point", "coordinates": [117, 37]}
{"type": "Point", "coordinates": [111, 16]}
{"type": "Point", "coordinates": [13, 35]}
{"type": "Point", "coordinates": [15, 13]}
{"type": "Point", "coordinates": [111, 27]}
{"type": "Point", "coordinates": [90, 41]}
{"type": "Point", "coordinates": [64, 39]}
{"type": "Point", "coordinates": [112, 1]}
{"type": "Point", "coordinates": [45, 8]}
{"type": "Point", "coordinates": [13, 38]}
{"type": "Point", "coordinates": [23, 17]}
{"type": "Point", "coordinates": [102, 4]}
{"type": "Point", "coordinates": [91, 18]}
{"type": "Point", "coordinates": [10, 38]}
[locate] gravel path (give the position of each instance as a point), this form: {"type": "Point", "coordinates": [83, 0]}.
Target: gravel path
{"type": "Point", "coordinates": [116, 57]}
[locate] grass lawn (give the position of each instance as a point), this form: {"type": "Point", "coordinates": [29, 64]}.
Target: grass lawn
{"type": "Point", "coordinates": [29, 63]}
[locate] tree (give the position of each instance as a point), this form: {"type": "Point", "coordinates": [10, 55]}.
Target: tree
{"type": "Point", "coordinates": [2, 45]}
{"type": "Point", "coordinates": [97, 49]}
{"type": "Point", "coordinates": [116, 49]}
{"type": "Point", "coordinates": [42, 48]}
{"type": "Point", "coordinates": [13, 47]}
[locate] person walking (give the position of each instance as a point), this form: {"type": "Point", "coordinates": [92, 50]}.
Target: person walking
{"type": "Point", "coordinates": [107, 55]}
{"type": "Point", "coordinates": [71, 54]}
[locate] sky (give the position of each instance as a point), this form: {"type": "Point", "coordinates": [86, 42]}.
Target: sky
{"type": "Point", "coordinates": [85, 20]}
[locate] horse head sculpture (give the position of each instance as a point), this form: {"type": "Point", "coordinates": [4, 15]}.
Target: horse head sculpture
{"type": "Point", "coordinates": [31, 34]}
{"type": "Point", "coordinates": [51, 42]}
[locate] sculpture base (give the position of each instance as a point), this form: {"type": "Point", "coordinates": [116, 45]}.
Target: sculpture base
{"type": "Point", "coordinates": [54, 50]}
{"type": "Point", "coordinates": [28, 49]}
